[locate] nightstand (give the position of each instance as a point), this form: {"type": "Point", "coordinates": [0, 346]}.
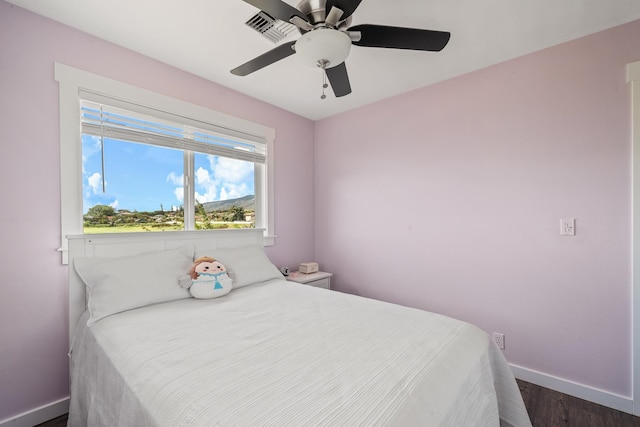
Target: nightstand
{"type": "Point", "coordinates": [319, 279]}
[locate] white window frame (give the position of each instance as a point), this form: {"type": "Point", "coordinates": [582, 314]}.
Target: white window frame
{"type": "Point", "coordinates": [72, 80]}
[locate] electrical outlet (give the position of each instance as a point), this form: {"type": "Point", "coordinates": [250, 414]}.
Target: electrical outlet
{"type": "Point", "coordinates": [498, 338]}
{"type": "Point", "coordinates": [568, 227]}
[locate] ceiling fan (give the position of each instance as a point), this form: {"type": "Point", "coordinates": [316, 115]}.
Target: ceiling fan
{"type": "Point", "coordinates": [327, 38]}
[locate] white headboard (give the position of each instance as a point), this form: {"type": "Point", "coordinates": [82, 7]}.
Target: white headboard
{"type": "Point", "coordinates": [124, 244]}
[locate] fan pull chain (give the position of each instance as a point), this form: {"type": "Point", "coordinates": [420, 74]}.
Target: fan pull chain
{"type": "Point", "coordinates": [324, 84]}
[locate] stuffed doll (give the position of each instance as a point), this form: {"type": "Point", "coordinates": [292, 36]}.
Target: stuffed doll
{"type": "Point", "coordinates": [207, 278]}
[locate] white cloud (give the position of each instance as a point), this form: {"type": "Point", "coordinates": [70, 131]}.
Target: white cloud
{"type": "Point", "coordinates": [114, 204]}
{"type": "Point", "coordinates": [229, 177]}
{"type": "Point", "coordinates": [230, 170]}
{"type": "Point", "coordinates": [202, 176]}
{"type": "Point", "coordinates": [95, 183]}
{"type": "Point", "coordinates": [175, 179]}
{"type": "Point", "coordinates": [179, 192]}
{"type": "Point", "coordinates": [208, 196]}
{"type": "Point", "coordinates": [233, 191]}
{"type": "Point", "coordinates": [203, 179]}
{"type": "Point", "coordinates": [90, 145]}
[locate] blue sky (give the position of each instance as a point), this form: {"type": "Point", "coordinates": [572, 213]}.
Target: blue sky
{"type": "Point", "coordinates": [144, 177]}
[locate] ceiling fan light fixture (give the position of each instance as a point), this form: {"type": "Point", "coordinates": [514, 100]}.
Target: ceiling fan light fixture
{"type": "Point", "coordinates": [324, 47]}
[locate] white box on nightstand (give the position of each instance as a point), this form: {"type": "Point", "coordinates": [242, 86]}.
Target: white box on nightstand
{"type": "Point", "coordinates": [318, 279]}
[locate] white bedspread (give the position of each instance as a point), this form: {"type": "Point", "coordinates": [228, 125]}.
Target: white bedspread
{"type": "Point", "coordinates": [284, 354]}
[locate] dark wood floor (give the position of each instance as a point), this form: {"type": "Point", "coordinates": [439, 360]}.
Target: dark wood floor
{"type": "Point", "coordinates": [547, 408]}
{"type": "Point", "coordinates": [56, 422]}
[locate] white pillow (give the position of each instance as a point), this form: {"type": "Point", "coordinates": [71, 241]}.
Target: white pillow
{"type": "Point", "coordinates": [245, 265]}
{"type": "Point", "coordinates": [119, 284]}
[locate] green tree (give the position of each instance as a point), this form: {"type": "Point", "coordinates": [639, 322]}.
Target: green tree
{"type": "Point", "coordinates": [238, 213]}
{"type": "Point", "coordinates": [101, 211]}
{"type": "Point", "coordinates": [199, 209]}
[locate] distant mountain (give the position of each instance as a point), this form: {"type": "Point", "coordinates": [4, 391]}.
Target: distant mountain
{"type": "Point", "coordinates": [246, 202]}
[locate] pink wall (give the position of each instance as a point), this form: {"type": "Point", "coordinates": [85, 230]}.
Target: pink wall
{"type": "Point", "coordinates": [33, 293]}
{"type": "Point", "coordinates": [449, 198]}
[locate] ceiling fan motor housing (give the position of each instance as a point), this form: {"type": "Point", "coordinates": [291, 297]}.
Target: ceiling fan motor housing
{"type": "Point", "coordinates": [315, 11]}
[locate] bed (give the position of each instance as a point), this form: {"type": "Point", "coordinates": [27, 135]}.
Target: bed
{"type": "Point", "coordinates": [269, 353]}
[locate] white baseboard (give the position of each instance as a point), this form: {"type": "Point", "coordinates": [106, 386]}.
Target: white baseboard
{"type": "Point", "coordinates": [38, 415]}
{"type": "Point", "coordinates": [581, 391]}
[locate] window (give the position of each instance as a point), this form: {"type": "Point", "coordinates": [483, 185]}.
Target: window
{"type": "Point", "coordinates": [143, 162]}
{"type": "Point", "coordinates": [165, 172]}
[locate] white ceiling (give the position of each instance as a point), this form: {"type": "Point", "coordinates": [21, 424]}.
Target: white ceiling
{"type": "Point", "coordinates": [208, 38]}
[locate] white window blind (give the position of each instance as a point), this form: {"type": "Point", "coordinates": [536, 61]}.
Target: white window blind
{"type": "Point", "coordinates": [113, 118]}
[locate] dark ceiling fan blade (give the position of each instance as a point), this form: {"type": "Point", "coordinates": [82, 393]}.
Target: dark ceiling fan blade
{"type": "Point", "coordinates": [401, 38]}
{"type": "Point", "coordinates": [339, 80]}
{"type": "Point", "coordinates": [268, 58]}
{"type": "Point", "coordinates": [347, 6]}
{"type": "Point", "coordinates": [277, 9]}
